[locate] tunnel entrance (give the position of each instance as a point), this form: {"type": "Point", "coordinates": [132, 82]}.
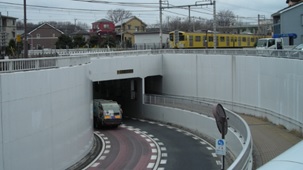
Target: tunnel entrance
{"type": "Point", "coordinates": [127, 92]}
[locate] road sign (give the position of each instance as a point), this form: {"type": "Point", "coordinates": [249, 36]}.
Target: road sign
{"type": "Point", "coordinates": [220, 147]}
{"type": "Point", "coordinates": [221, 119]}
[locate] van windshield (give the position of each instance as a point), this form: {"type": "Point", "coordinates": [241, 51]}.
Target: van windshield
{"type": "Point", "coordinates": [111, 106]}
{"type": "Point", "coordinates": [262, 43]}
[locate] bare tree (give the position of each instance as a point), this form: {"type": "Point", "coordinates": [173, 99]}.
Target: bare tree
{"type": "Point", "coordinates": [118, 14]}
{"type": "Point", "coordinates": [226, 19]}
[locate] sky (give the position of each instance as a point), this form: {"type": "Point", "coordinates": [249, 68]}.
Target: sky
{"type": "Point", "coordinates": [75, 11]}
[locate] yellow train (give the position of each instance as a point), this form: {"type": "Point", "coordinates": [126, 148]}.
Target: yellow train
{"type": "Point", "coordinates": [181, 39]}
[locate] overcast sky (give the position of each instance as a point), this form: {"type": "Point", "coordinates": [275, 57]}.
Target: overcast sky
{"type": "Point", "coordinates": [147, 10]}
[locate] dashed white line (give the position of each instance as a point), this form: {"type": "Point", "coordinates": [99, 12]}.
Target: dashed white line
{"type": "Point", "coordinates": [153, 157]}
{"type": "Point", "coordinates": [95, 164]}
{"type": "Point", "coordinates": [214, 155]}
{"type": "Point", "coordinates": [209, 148]}
{"type": "Point", "coordinates": [160, 143]}
{"type": "Point", "coordinates": [106, 151]}
{"type": "Point", "coordinates": [150, 165]}
{"type": "Point", "coordinates": [164, 161]}
{"type": "Point", "coordinates": [154, 150]}
{"type": "Point", "coordinates": [163, 148]}
{"type": "Point", "coordinates": [102, 158]}
{"type": "Point", "coordinates": [164, 155]}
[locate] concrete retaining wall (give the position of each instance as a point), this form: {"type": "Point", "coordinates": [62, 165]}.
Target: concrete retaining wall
{"type": "Point", "coordinates": [46, 118]}
{"type": "Point", "coordinates": [261, 86]}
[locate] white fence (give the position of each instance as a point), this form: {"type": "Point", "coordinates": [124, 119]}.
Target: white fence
{"type": "Point", "coordinates": [13, 65]}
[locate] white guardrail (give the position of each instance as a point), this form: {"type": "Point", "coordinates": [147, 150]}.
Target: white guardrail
{"type": "Point", "coordinates": [243, 160]}
{"type": "Point", "coordinates": [82, 56]}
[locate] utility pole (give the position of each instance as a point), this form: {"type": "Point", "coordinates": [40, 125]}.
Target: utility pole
{"type": "Point", "coordinates": [25, 50]}
{"type": "Point", "coordinates": [203, 2]}
{"type": "Point", "coordinates": [215, 25]}
{"type": "Point", "coordinates": [189, 21]}
{"type": "Point", "coordinates": [160, 7]}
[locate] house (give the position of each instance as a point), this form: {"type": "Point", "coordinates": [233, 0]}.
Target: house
{"type": "Point", "coordinates": [105, 30]}
{"type": "Point", "coordinates": [81, 33]}
{"type": "Point", "coordinates": [43, 36]}
{"type": "Point", "coordinates": [289, 21]}
{"type": "Point", "coordinates": [7, 31]}
{"type": "Point", "coordinates": [126, 28]}
{"type": "Point", "coordinates": [103, 27]}
{"type": "Point", "coordinates": [151, 39]}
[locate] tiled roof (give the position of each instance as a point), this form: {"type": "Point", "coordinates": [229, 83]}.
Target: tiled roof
{"type": "Point", "coordinates": [102, 20]}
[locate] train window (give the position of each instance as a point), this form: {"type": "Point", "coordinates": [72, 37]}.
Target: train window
{"type": "Point", "coordinates": [181, 37]}
{"type": "Point", "coordinates": [252, 40]}
{"type": "Point", "coordinates": [222, 39]}
{"type": "Point", "coordinates": [171, 37]}
{"type": "Point", "coordinates": [198, 38]}
{"type": "Point", "coordinates": [243, 39]}
{"type": "Point", "coordinates": [210, 39]}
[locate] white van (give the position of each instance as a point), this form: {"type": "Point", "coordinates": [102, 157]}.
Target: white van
{"type": "Point", "coordinates": [106, 113]}
{"type": "Point", "coordinates": [270, 43]}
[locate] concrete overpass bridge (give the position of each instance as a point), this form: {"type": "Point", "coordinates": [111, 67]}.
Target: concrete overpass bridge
{"type": "Point", "coordinates": [37, 127]}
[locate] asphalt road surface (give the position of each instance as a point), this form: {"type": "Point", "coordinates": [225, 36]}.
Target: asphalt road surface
{"type": "Point", "coordinates": [140, 144]}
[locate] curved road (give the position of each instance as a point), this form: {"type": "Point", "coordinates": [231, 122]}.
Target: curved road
{"type": "Point", "coordinates": [141, 144]}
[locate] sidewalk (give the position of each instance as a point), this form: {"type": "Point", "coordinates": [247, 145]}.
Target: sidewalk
{"type": "Point", "coordinates": [269, 140]}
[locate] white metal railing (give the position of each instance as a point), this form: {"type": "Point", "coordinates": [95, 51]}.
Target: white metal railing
{"type": "Point", "coordinates": [14, 65]}
{"type": "Point", "coordinates": [244, 159]}
{"type": "Point", "coordinates": [83, 56]}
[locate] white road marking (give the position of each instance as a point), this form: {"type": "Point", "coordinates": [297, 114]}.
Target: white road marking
{"type": "Point", "coordinates": [218, 162]}
{"type": "Point", "coordinates": [154, 150]}
{"type": "Point", "coordinates": [106, 151]}
{"type": "Point", "coordinates": [163, 148]}
{"type": "Point", "coordinates": [102, 158]}
{"type": "Point", "coordinates": [214, 155]}
{"type": "Point", "coordinates": [108, 146]}
{"type": "Point", "coordinates": [195, 138]}
{"type": "Point", "coordinates": [150, 165]}
{"type": "Point", "coordinates": [164, 161]}
{"type": "Point", "coordinates": [203, 143]}
{"type": "Point", "coordinates": [164, 155]}
{"type": "Point", "coordinates": [153, 157]}
{"type": "Point", "coordinates": [152, 145]}
{"type": "Point", "coordinates": [95, 165]}
{"type": "Point", "coordinates": [209, 148]}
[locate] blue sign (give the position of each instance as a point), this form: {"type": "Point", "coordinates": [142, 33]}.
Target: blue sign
{"type": "Point", "coordinates": [220, 147]}
{"type": "Point", "coordinates": [220, 142]}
